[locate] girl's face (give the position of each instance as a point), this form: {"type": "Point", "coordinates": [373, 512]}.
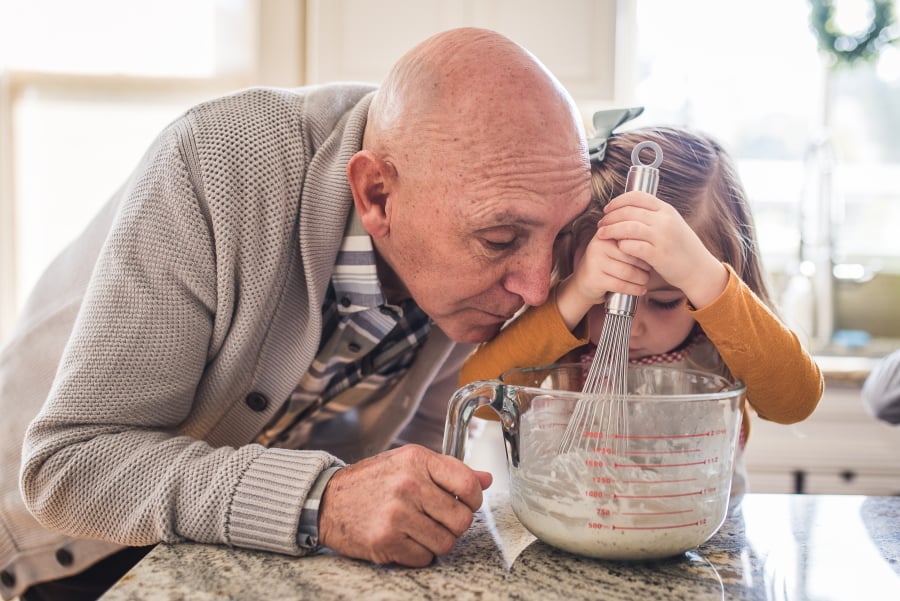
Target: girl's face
{"type": "Point", "coordinates": [661, 321]}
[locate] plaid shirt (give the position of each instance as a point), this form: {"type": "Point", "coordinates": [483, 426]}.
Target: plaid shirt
{"type": "Point", "coordinates": [367, 344]}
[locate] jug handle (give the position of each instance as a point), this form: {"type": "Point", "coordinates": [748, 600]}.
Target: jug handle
{"type": "Point", "coordinates": [460, 409]}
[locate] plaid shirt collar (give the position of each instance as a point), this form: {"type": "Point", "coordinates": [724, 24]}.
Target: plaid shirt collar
{"type": "Point", "coordinates": [355, 277]}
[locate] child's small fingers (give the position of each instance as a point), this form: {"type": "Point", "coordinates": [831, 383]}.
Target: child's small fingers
{"type": "Point", "coordinates": [641, 265]}
{"type": "Point", "coordinates": [632, 199]}
{"type": "Point", "coordinates": [628, 270]}
{"type": "Point", "coordinates": [607, 251]}
{"type": "Point", "coordinates": [624, 230]}
{"type": "Point", "coordinates": [637, 276]}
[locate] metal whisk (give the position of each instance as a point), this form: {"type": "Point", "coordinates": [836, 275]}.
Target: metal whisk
{"type": "Point", "coordinates": [600, 419]}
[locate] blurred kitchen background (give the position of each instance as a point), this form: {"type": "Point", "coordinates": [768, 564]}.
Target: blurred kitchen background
{"type": "Point", "coordinates": [85, 86]}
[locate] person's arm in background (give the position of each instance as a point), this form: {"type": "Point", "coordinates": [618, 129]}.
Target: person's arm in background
{"type": "Point", "coordinates": [881, 390]}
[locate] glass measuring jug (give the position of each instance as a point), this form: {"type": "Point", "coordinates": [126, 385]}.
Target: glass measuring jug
{"type": "Point", "coordinates": [662, 489]}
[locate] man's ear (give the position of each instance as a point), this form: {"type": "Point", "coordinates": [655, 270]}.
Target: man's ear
{"type": "Point", "coordinates": [371, 179]}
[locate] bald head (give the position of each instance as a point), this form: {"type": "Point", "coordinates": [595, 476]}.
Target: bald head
{"type": "Point", "coordinates": [469, 86]}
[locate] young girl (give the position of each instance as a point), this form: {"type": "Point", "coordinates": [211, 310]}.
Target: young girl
{"type": "Point", "coordinates": [690, 253]}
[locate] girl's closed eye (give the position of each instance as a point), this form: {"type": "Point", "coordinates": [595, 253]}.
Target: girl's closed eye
{"type": "Point", "coordinates": [666, 305]}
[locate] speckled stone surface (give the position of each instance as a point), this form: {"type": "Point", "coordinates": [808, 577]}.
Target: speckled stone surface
{"type": "Point", "coordinates": [804, 547]}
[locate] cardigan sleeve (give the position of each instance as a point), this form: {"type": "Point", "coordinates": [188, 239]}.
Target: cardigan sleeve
{"type": "Point", "coordinates": [784, 384]}
{"type": "Point", "coordinates": [119, 451]}
{"type": "Point", "coordinates": [538, 336]}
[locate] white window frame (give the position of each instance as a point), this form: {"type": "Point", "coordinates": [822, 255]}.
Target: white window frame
{"type": "Point", "coordinates": [279, 47]}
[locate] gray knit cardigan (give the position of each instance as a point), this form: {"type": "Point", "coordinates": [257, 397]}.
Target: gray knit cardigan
{"type": "Point", "coordinates": [179, 321]}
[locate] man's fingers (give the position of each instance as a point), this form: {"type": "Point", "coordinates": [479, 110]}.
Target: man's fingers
{"type": "Point", "coordinates": [456, 478]}
{"type": "Point", "coordinates": [484, 478]}
{"type": "Point", "coordinates": [414, 555]}
{"type": "Point", "coordinates": [439, 527]}
{"type": "Point", "coordinates": [422, 538]}
{"type": "Point", "coordinates": [403, 550]}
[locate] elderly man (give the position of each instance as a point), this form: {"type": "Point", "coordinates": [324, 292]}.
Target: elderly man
{"type": "Point", "coordinates": [253, 344]}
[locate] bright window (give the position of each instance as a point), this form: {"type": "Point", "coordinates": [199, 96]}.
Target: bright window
{"type": "Point", "coordinates": [84, 88]}
{"type": "Point", "coordinates": [163, 38]}
{"type": "Point", "coordinates": [818, 152]}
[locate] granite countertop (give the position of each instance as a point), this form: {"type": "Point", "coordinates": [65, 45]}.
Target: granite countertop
{"type": "Point", "coordinates": [786, 547]}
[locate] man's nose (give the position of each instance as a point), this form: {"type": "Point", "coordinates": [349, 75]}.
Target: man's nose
{"type": "Point", "coordinates": [530, 280]}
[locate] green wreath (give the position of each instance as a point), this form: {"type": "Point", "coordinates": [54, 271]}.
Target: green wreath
{"type": "Point", "coordinates": [844, 48]}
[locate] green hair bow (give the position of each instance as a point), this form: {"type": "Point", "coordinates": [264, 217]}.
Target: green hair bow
{"type": "Point", "coordinates": [605, 124]}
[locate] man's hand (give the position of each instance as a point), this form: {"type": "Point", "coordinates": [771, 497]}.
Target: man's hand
{"type": "Point", "coordinates": [404, 506]}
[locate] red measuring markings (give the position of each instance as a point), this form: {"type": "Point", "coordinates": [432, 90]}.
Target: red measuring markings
{"type": "Point", "coordinates": [672, 452]}
{"type": "Point", "coordinates": [599, 526]}
{"type": "Point", "coordinates": [656, 512]}
{"type": "Point", "coordinates": [602, 480]}
{"type": "Point", "coordinates": [598, 494]}
{"type": "Point", "coordinates": [598, 435]}
{"type": "Point", "coordinates": [706, 434]}
{"type": "Point", "coordinates": [690, 493]}
{"type": "Point", "coordinates": [644, 466]}
{"type": "Point", "coordinates": [673, 481]}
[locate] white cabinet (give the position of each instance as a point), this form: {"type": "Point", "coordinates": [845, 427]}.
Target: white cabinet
{"type": "Point", "coordinates": [839, 449]}
{"type": "Point", "coordinates": [358, 40]}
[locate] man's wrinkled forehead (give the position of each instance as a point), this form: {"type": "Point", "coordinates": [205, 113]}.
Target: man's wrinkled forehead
{"type": "Point", "coordinates": [525, 215]}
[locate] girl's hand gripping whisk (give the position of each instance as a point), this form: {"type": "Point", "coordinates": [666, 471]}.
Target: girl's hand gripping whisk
{"type": "Point", "coordinates": [600, 418]}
